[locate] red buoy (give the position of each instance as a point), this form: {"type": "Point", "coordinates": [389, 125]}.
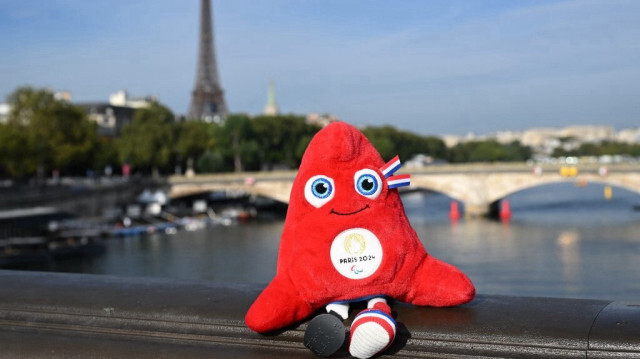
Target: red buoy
{"type": "Point", "coordinates": [454, 212]}
{"type": "Point", "coordinates": [505, 211]}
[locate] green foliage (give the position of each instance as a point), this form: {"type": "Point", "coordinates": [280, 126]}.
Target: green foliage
{"type": "Point", "coordinates": [243, 143]}
{"type": "Point", "coordinates": [106, 154]}
{"type": "Point", "coordinates": [193, 139]}
{"type": "Point", "coordinates": [279, 139]}
{"type": "Point", "coordinates": [18, 160]}
{"type": "Point", "coordinates": [601, 149]}
{"type": "Point", "coordinates": [390, 141]}
{"type": "Point", "coordinates": [211, 161]}
{"type": "Point", "coordinates": [488, 151]}
{"type": "Point", "coordinates": [148, 141]}
{"type": "Point", "coordinates": [43, 134]}
{"type": "Point", "coordinates": [237, 143]}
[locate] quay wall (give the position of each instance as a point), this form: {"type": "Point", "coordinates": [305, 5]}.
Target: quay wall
{"type": "Point", "coordinates": [85, 199]}
{"type": "Point", "coordinates": [59, 315]}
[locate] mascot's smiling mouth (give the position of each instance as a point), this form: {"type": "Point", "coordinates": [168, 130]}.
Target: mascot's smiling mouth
{"type": "Point", "coordinates": [348, 213]}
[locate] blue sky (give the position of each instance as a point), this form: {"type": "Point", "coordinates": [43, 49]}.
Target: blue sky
{"type": "Point", "coordinates": [434, 67]}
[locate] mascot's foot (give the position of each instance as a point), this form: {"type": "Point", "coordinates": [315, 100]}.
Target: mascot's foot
{"type": "Point", "coordinates": [372, 331]}
{"type": "Point", "coordinates": [325, 335]}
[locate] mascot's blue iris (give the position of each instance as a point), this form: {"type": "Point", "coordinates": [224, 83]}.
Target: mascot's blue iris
{"type": "Point", "coordinates": [367, 184]}
{"type": "Point", "coordinates": [321, 188]}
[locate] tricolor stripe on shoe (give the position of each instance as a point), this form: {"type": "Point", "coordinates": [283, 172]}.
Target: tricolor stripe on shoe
{"type": "Point", "coordinates": [372, 331]}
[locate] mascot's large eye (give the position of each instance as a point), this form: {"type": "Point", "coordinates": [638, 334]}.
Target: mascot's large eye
{"type": "Point", "coordinates": [368, 183]}
{"type": "Point", "coordinates": [319, 190]}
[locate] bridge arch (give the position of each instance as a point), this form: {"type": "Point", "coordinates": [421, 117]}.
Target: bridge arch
{"type": "Point", "coordinates": [277, 190]}
{"type": "Point", "coordinates": [605, 181]}
{"type": "Point", "coordinates": [479, 190]}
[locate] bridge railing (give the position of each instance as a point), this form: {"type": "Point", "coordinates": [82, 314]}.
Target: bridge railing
{"type": "Point", "coordinates": [53, 315]}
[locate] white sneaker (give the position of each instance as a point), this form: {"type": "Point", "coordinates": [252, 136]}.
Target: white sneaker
{"type": "Point", "coordinates": [372, 331]}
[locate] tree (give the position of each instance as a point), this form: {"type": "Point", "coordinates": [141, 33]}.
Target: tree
{"type": "Point", "coordinates": [381, 139]}
{"type": "Point", "coordinates": [238, 142]}
{"type": "Point", "coordinates": [490, 150]}
{"type": "Point", "coordinates": [194, 138]}
{"type": "Point", "coordinates": [16, 158]}
{"type": "Point", "coordinates": [211, 161]}
{"type": "Point", "coordinates": [279, 139]}
{"type": "Point", "coordinates": [43, 133]}
{"type": "Point", "coordinates": [148, 141]}
{"type": "Point", "coordinates": [390, 141]}
{"type": "Point", "coordinates": [106, 154]}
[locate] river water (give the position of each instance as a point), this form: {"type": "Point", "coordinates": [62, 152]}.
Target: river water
{"type": "Point", "coordinates": [562, 241]}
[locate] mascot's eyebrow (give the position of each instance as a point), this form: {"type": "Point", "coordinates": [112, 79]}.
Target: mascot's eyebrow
{"type": "Point", "coordinates": [389, 169]}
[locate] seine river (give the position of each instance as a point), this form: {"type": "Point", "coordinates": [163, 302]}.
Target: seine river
{"type": "Point", "coordinates": [562, 241]}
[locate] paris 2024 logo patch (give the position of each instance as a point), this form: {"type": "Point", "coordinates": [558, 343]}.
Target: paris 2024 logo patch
{"type": "Point", "coordinates": [356, 253]}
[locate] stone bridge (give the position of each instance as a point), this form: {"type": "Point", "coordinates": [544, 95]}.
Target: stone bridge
{"type": "Point", "coordinates": [476, 186]}
{"type": "Point", "coordinates": [267, 184]}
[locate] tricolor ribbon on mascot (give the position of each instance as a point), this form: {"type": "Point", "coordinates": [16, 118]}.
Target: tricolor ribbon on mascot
{"type": "Point", "coordinates": [389, 169]}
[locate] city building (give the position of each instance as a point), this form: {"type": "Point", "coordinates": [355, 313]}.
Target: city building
{"type": "Point", "coordinates": [5, 109]}
{"type": "Point", "coordinates": [62, 96]}
{"type": "Point", "coordinates": [421, 160]}
{"type": "Point", "coordinates": [112, 116]}
{"type": "Point", "coordinates": [536, 137]}
{"type": "Point", "coordinates": [507, 137]}
{"type": "Point", "coordinates": [629, 135]}
{"type": "Point", "coordinates": [589, 134]}
{"type": "Point", "coordinates": [544, 141]}
{"type": "Point", "coordinates": [321, 120]}
{"type": "Point", "coordinates": [451, 140]}
{"type": "Point", "coordinates": [121, 98]}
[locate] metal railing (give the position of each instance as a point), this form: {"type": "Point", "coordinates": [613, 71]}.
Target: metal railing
{"type": "Point", "coordinates": [56, 315]}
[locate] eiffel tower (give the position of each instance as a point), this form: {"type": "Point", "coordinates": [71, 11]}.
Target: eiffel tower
{"type": "Point", "coordinates": [207, 98]}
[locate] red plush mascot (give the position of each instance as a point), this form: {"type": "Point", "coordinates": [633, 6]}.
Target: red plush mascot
{"type": "Point", "coordinates": [346, 238]}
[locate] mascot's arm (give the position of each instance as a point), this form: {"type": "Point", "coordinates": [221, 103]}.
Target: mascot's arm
{"type": "Point", "coordinates": [439, 284]}
{"type": "Point", "coordinates": [277, 306]}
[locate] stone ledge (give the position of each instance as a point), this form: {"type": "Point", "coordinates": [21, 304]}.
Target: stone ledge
{"type": "Point", "coordinates": [56, 315]}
